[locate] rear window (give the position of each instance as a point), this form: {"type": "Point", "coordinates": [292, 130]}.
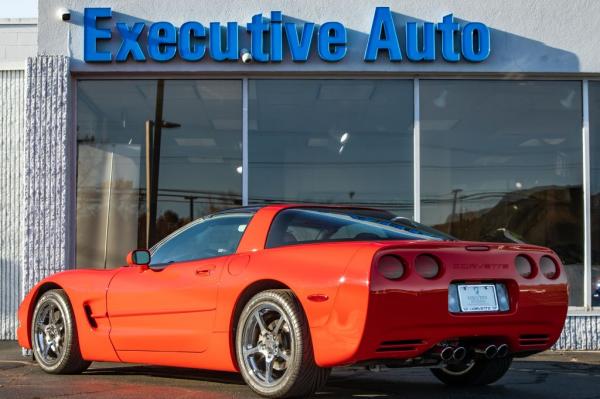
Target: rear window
{"type": "Point", "coordinates": [300, 225]}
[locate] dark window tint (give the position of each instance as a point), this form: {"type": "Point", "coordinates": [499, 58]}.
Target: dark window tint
{"type": "Point", "coordinates": [502, 161]}
{"type": "Point", "coordinates": [331, 142]}
{"type": "Point", "coordinates": [216, 236]}
{"type": "Point", "coordinates": [198, 164]}
{"type": "Point", "coordinates": [297, 225]}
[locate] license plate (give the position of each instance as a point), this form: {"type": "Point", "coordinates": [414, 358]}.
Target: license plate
{"type": "Point", "coordinates": [477, 298]}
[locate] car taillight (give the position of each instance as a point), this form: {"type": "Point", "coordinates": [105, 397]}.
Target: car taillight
{"type": "Point", "coordinates": [427, 266]}
{"type": "Point", "coordinates": [524, 266]}
{"type": "Point", "coordinates": [548, 267]}
{"type": "Point", "coordinates": [391, 267]}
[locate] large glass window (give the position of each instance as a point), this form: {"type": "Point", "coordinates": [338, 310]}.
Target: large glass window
{"type": "Point", "coordinates": [594, 97]}
{"type": "Point", "coordinates": [193, 128]}
{"type": "Point", "coordinates": [332, 141]}
{"type": "Point", "coordinates": [502, 161]}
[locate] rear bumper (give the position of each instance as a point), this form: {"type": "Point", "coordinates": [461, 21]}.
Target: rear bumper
{"type": "Point", "coordinates": [401, 325]}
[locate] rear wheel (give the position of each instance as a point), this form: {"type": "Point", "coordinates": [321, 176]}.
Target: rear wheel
{"type": "Point", "coordinates": [273, 347]}
{"type": "Point", "coordinates": [476, 372]}
{"type": "Point", "coordinates": [54, 335]}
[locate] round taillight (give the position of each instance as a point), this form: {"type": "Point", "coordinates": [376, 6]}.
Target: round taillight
{"type": "Point", "coordinates": [391, 267]}
{"type": "Point", "coordinates": [524, 266]}
{"type": "Point", "coordinates": [427, 266]}
{"type": "Point", "coordinates": [548, 267]}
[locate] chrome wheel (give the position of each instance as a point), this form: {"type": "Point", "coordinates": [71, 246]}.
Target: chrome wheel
{"type": "Point", "coordinates": [49, 333]}
{"type": "Point", "coordinates": [267, 344]}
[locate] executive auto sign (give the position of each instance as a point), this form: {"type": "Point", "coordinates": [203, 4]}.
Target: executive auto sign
{"type": "Point", "coordinates": [192, 41]}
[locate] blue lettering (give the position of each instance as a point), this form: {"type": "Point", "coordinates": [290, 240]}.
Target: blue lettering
{"type": "Point", "coordinates": [299, 46]}
{"type": "Point", "coordinates": [162, 40]}
{"type": "Point", "coordinates": [193, 40]}
{"type": "Point", "coordinates": [188, 50]}
{"type": "Point", "coordinates": [257, 28]}
{"type": "Point", "coordinates": [448, 27]}
{"type": "Point", "coordinates": [231, 52]}
{"type": "Point", "coordinates": [383, 36]}
{"type": "Point", "coordinates": [413, 52]}
{"type": "Point", "coordinates": [468, 42]}
{"type": "Point", "coordinates": [92, 34]}
{"type": "Point", "coordinates": [130, 44]}
{"type": "Point", "coordinates": [332, 41]}
{"type": "Point", "coordinates": [276, 37]}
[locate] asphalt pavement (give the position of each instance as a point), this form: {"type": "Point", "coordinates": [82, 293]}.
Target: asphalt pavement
{"type": "Point", "coordinates": [549, 375]}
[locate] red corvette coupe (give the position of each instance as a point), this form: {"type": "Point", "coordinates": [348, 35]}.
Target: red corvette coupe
{"type": "Point", "coordinates": [283, 293]}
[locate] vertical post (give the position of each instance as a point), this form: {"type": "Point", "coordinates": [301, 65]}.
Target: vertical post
{"type": "Point", "coordinates": [149, 217]}
{"type": "Point", "coordinates": [152, 188]}
{"type": "Point", "coordinates": [245, 142]}
{"type": "Point", "coordinates": [107, 227]}
{"type": "Point", "coordinates": [416, 152]}
{"type": "Point", "coordinates": [587, 226]}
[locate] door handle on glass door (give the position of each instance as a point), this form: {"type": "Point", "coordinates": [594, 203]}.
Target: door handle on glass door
{"type": "Point", "coordinates": [204, 271]}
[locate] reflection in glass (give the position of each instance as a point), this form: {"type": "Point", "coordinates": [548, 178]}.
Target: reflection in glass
{"type": "Point", "coordinates": [501, 161]}
{"type": "Point", "coordinates": [200, 150]}
{"type": "Point", "coordinates": [332, 141]}
{"type": "Point", "coordinates": [594, 97]}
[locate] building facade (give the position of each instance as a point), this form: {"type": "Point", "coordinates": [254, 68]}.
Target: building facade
{"type": "Point", "coordinates": [482, 120]}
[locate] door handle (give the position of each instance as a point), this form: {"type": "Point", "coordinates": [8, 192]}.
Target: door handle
{"type": "Point", "coordinates": [204, 271]}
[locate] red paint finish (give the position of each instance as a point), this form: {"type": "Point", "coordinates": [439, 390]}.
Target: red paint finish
{"type": "Point", "coordinates": [183, 315]}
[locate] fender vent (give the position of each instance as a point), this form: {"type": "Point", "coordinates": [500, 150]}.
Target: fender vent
{"type": "Point", "coordinates": [533, 339]}
{"type": "Point", "coordinates": [400, 346]}
{"type": "Point", "coordinates": [88, 315]}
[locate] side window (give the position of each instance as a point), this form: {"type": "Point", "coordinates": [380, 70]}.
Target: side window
{"type": "Point", "coordinates": [207, 238]}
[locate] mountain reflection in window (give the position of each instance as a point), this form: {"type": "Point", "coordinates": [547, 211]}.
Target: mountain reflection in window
{"type": "Point", "coordinates": [502, 161]}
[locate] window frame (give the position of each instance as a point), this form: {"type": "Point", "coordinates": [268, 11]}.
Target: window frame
{"type": "Point", "coordinates": [191, 225]}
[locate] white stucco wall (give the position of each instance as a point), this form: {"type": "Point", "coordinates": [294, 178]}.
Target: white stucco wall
{"type": "Point", "coordinates": [18, 40]}
{"type": "Point", "coordinates": [535, 36]}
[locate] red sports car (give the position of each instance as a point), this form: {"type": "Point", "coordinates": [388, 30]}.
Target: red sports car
{"type": "Point", "coordinates": [283, 293]}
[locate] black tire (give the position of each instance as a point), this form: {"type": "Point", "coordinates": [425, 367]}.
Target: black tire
{"type": "Point", "coordinates": [300, 376]}
{"type": "Point", "coordinates": [480, 372]}
{"type": "Point", "coordinates": [54, 335]}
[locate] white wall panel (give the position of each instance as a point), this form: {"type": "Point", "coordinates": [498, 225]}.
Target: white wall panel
{"type": "Point", "coordinates": [12, 134]}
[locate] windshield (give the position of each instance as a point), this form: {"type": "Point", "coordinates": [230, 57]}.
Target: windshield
{"type": "Point", "coordinates": [308, 225]}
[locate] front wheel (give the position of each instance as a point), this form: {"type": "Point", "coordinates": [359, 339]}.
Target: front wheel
{"type": "Point", "coordinates": [54, 335]}
{"type": "Point", "coordinates": [476, 372]}
{"type": "Point", "coordinates": [273, 347]}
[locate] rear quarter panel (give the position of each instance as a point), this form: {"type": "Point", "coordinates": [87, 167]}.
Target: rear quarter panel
{"type": "Point", "coordinates": [308, 269]}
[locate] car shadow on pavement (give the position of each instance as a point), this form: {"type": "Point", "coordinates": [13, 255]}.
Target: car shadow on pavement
{"type": "Point", "coordinates": [169, 372]}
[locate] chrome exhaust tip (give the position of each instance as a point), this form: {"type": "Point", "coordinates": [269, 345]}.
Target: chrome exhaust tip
{"type": "Point", "coordinates": [459, 353]}
{"type": "Point", "coordinates": [489, 352]}
{"type": "Point", "coordinates": [502, 351]}
{"type": "Point", "coordinates": [447, 353]}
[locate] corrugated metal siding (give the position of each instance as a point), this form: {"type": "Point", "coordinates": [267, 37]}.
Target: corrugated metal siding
{"type": "Point", "coordinates": [48, 231]}
{"type": "Point", "coordinates": [12, 132]}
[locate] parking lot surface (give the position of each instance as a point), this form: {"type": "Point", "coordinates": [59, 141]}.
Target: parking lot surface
{"type": "Point", "coordinates": [550, 375]}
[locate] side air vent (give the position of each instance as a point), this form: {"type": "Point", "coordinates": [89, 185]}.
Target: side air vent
{"type": "Point", "coordinates": [400, 346]}
{"type": "Point", "coordinates": [88, 315]}
{"type": "Point", "coordinates": [533, 339]}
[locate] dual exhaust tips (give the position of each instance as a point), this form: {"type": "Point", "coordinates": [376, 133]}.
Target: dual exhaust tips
{"type": "Point", "coordinates": [457, 354]}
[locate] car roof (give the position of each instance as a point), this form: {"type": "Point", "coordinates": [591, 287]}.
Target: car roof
{"type": "Point", "coordinates": [256, 208]}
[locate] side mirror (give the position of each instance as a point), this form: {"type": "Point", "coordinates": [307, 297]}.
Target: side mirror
{"type": "Point", "coordinates": [139, 257]}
